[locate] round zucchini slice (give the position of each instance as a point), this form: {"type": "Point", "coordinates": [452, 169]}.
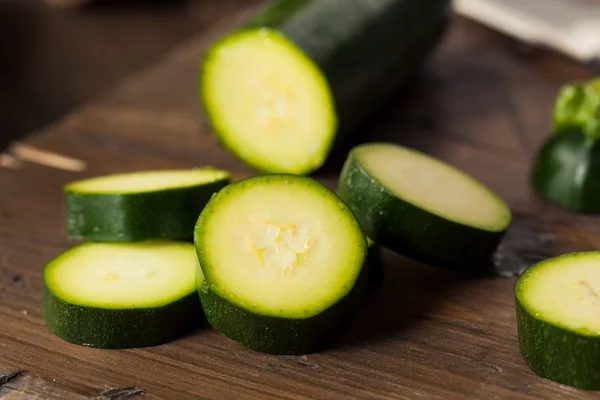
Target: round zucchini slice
{"type": "Point", "coordinates": [558, 309]}
{"type": "Point", "coordinates": [282, 258]}
{"type": "Point", "coordinates": [139, 206]}
{"type": "Point", "coordinates": [118, 295]}
{"type": "Point", "coordinates": [421, 207]}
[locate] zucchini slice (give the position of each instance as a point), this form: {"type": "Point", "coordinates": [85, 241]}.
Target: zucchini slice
{"type": "Point", "coordinates": [282, 258]}
{"type": "Point", "coordinates": [139, 206]}
{"type": "Point", "coordinates": [277, 90]}
{"type": "Point", "coordinates": [558, 319]}
{"type": "Point", "coordinates": [122, 295]}
{"type": "Point", "coordinates": [421, 207]}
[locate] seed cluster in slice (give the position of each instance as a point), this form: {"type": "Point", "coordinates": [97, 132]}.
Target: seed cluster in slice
{"type": "Point", "coordinates": [138, 206]}
{"type": "Point", "coordinates": [282, 257]}
{"type": "Point", "coordinates": [122, 295]}
{"type": "Point", "coordinates": [421, 207]}
{"type": "Point", "coordinates": [558, 319]}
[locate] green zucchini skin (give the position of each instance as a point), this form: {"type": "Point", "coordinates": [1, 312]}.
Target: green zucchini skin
{"type": "Point", "coordinates": [281, 336]}
{"type": "Point", "coordinates": [566, 171]}
{"type": "Point", "coordinates": [558, 354]}
{"type": "Point", "coordinates": [134, 217]}
{"type": "Point", "coordinates": [411, 231]}
{"type": "Point", "coordinates": [120, 328]}
{"type": "Point", "coordinates": [365, 48]}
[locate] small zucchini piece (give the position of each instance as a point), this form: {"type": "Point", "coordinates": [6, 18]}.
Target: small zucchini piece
{"type": "Point", "coordinates": [421, 207]}
{"type": "Point", "coordinates": [566, 168]}
{"type": "Point", "coordinates": [122, 295]}
{"type": "Point", "coordinates": [139, 206]}
{"type": "Point", "coordinates": [558, 309]}
{"type": "Point", "coordinates": [282, 260]}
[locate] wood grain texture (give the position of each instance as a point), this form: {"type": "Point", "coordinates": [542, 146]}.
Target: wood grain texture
{"type": "Point", "coordinates": [425, 333]}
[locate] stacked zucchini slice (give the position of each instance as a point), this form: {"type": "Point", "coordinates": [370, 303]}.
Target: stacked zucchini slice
{"type": "Point", "coordinates": [132, 282]}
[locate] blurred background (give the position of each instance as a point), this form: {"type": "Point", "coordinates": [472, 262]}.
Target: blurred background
{"type": "Point", "coordinates": [57, 54]}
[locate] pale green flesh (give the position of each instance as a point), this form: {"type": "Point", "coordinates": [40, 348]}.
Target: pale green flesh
{"type": "Point", "coordinates": [268, 101]}
{"type": "Point", "coordinates": [281, 248]}
{"type": "Point", "coordinates": [115, 276]}
{"type": "Point", "coordinates": [434, 186]}
{"type": "Point", "coordinates": [147, 181]}
{"type": "Point", "coordinates": [564, 291]}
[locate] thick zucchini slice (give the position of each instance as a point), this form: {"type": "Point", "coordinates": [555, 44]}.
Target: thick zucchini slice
{"type": "Point", "coordinates": [118, 295]}
{"type": "Point", "coordinates": [421, 207]}
{"type": "Point", "coordinates": [282, 258]}
{"type": "Point", "coordinates": [138, 206]}
{"type": "Point", "coordinates": [558, 319]}
{"type": "Point", "coordinates": [277, 90]}
{"type": "Point", "coordinates": [566, 168]}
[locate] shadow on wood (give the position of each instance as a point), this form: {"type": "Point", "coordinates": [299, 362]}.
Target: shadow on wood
{"type": "Point", "coordinates": [408, 294]}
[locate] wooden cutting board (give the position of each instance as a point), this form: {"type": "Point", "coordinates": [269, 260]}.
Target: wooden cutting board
{"type": "Point", "coordinates": [425, 334]}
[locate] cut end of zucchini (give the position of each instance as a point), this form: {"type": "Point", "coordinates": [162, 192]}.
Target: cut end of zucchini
{"type": "Point", "coordinates": [434, 186]}
{"type": "Point", "coordinates": [564, 291]}
{"type": "Point", "coordinates": [268, 102]}
{"type": "Point", "coordinates": [147, 181]}
{"type": "Point", "coordinates": [117, 276]}
{"type": "Point", "coordinates": [280, 245]}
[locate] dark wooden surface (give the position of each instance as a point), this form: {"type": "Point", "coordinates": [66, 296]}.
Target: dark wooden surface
{"type": "Point", "coordinates": [59, 58]}
{"type": "Point", "coordinates": [482, 104]}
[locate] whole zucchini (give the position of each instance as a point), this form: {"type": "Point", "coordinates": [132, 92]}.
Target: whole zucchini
{"type": "Point", "coordinates": [278, 90]}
